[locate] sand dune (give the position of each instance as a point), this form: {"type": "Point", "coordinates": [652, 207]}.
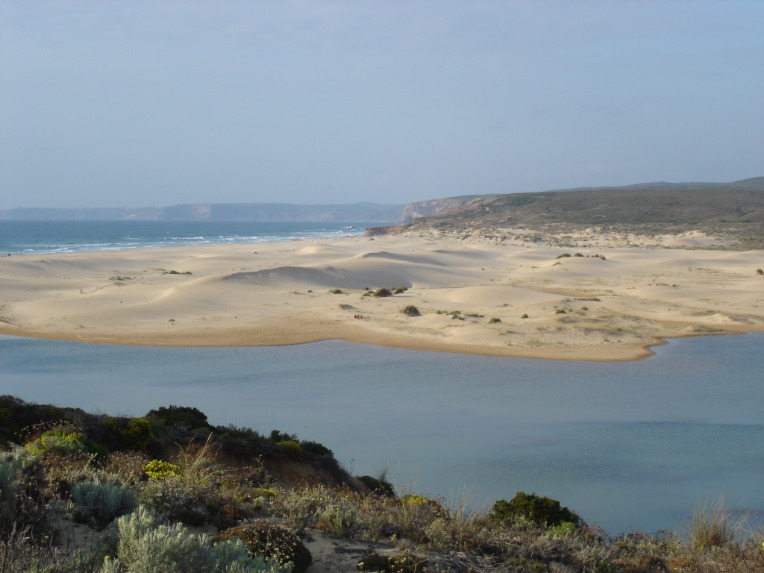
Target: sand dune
{"type": "Point", "coordinates": [474, 296]}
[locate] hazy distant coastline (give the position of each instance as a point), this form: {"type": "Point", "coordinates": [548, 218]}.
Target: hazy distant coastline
{"type": "Point", "coordinates": [216, 212]}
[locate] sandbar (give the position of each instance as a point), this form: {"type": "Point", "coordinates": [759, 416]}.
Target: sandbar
{"type": "Point", "coordinates": [601, 298]}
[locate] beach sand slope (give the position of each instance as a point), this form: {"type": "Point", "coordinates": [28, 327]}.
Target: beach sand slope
{"type": "Point", "coordinates": [606, 301]}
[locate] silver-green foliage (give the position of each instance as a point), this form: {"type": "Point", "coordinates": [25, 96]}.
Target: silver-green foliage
{"type": "Point", "coordinates": [9, 490]}
{"type": "Point", "coordinates": [9, 483]}
{"type": "Point", "coordinates": [146, 546]}
{"type": "Point", "coordinates": [103, 501]}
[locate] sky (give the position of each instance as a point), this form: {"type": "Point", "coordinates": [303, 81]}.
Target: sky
{"type": "Point", "coordinates": [140, 103]}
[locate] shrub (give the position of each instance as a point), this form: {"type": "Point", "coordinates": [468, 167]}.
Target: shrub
{"type": "Point", "coordinates": [133, 433]}
{"type": "Point", "coordinates": [336, 291]}
{"type": "Point", "coordinates": [494, 320]}
{"type": "Point", "coordinates": [145, 546]}
{"type": "Point", "coordinates": [10, 490]}
{"type": "Point", "coordinates": [539, 510]}
{"type": "Point", "coordinates": [184, 417]}
{"type": "Point", "coordinates": [179, 501]}
{"type": "Point", "coordinates": [101, 502]}
{"type": "Point", "coordinates": [273, 542]}
{"type": "Point", "coordinates": [759, 272]}
{"type": "Point", "coordinates": [405, 562]}
{"type": "Point", "coordinates": [58, 441]}
{"type": "Point", "coordinates": [378, 485]}
{"type": "Point", "coordinates": [160, 470]}
{"type": "Point", "coordinates": [563, 256]}
{"type": "Point", "coordinates": [277, 436]}
{"type": "Point", "coordinates": [291, 447]}
{"type": "Point", "coordinates": [382, 292]}
{"type": "Point", "coordinates": [400, 290]}
{"type": "Point", "coordinates": [524, 316]}
{"type": "Point", "coordinates": [411, 310]}
{"type": "Point", "coordinates": [302, 507]}
{"type": "Point", "coordinates": [315, 448]}
{"type": "Point", "coordinates": [414, 499]}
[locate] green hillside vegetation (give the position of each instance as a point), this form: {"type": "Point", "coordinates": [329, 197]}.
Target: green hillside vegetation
{"type": "Point", "coordinates": [139, 486]}
{"type": "Point", "coordinates": [735, 209]}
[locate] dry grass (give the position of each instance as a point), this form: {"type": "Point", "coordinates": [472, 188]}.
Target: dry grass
{"type": "Point", "coordinates": [713, 526]}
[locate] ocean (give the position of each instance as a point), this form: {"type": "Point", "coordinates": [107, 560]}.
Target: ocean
{"type": "Point", "coordinates": [630, 446]}
{"type": "Point", "coordinates": [36, 237]}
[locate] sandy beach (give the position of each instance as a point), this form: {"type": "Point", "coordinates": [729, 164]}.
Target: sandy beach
{"type": "Point", "coordinates": [603, 298]}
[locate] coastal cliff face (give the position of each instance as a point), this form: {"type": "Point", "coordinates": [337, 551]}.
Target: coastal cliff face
{"type": "Point", "coordinates": [437, 207]}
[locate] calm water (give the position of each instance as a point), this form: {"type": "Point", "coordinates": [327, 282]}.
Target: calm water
{"type": "Point", "coordinates": [627, 445]}
{"type": "Point", "coordinates": [28, 237]}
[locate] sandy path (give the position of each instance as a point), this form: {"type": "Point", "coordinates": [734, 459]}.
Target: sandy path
{"type": "Point", "coordinates": [610, 303]}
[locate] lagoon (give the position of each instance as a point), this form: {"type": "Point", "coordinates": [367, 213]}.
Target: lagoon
{"type": "Point", "coordinates": [630, 446]}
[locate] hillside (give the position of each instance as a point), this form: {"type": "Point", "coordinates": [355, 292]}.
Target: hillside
{"type": "Point", "coordinates": [89, 493]}
{"type": "Point", "coordinates": [735, 209]}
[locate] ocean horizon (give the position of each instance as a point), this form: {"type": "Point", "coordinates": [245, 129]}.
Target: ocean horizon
{"type": "Point", "coordinates": [73, 236]}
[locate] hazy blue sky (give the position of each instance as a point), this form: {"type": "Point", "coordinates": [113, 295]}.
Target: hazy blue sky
{"type": "Point", "coordinates": [142, 103]}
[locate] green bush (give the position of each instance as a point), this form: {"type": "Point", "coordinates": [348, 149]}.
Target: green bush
{"type": "Point", "coordinates": [58, 441]}
{"type": "Point", "coordinates": [563, 256]}
{"type": "Point", "coordinates": [383, 292]}
{"type": "Point", "coordinates": [315, 448]}
{"type": "Point", "coordinates": [101, 502]}
{"type": "Point", "coordinates": [272, 541]}
{"type": "Point", "coordinates": [277, 436]}
{"type": "Point", "coordinates": [494, 320]}
{"type": "Point", "coordinates": [16, 415]}
{"type": "Point", "coordinates": [539, 510]}
{"type": "Point", "coordinates": [185, 417]}
{"type": "Point", "coordinates": [132, 433]}
{"type": "Point", "coordinates": [378, 485]}
{"type": "Point", "coordinates": [291, 447]}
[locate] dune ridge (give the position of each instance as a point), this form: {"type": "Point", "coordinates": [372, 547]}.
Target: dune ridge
{"type": "Point", "coordinates": [480, 295]}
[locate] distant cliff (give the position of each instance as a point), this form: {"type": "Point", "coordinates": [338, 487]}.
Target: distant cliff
{"type": "Point", "coordinates": [438, 207]}
{"type": "Point", "coordinates": [357, 212]}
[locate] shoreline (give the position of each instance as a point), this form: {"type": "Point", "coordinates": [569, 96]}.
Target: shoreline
{"type": "Point", "coordinates": [606, 302]}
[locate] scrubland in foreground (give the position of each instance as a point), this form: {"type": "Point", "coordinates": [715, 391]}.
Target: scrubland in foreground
{"type": "Point", "coordinates": [583, 295]}
{"type": "Point", "coordinates": [169, 492]}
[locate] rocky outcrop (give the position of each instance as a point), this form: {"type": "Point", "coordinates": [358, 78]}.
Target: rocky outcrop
{"type": "Point", "coordinates": [437, 207]}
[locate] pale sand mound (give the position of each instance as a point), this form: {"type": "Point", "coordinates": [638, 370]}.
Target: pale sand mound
{"type": "Point", "coordinates": [475, 296]}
